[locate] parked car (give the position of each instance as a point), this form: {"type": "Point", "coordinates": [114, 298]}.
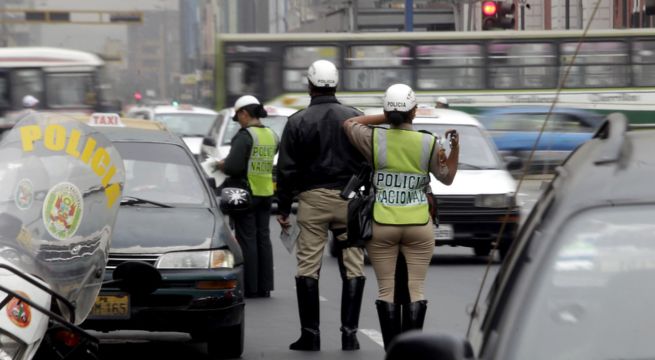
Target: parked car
{"type": "Point", "coordinates": [192, 123]}
{"type": "Point", "coordinates": [170, 218]}
{"type": "Point", "coordinates": [577, 283]}
{"type": "Point", "coordinates": [471, 209]}
{"type": "Point", "coordinates": [515, 129]}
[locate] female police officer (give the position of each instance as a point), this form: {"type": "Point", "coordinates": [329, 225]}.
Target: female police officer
{"type": "Point", "coordinates": [249, 165]}
{"type": "Point", "coordinates": [402, 160]}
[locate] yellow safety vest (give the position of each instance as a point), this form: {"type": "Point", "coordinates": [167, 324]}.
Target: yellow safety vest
{"type": "Point", "coordinates": [401, 160]}
{"type": "Point", "coordinates": [260, 163]}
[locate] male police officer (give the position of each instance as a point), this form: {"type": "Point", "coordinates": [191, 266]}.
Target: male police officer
{"type": "Point", "coordinates": [316, 161]}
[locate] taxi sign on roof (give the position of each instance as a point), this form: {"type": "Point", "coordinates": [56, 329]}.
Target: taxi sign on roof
{"type": "Point", "coordinates": [105, 119]}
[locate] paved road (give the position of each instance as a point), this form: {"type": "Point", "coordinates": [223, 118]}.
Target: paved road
{"type": "Point", "coordinates": [272, 324]}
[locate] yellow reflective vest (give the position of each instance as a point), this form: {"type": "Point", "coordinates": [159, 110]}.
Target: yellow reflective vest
{"type": "Point", "coordinates": [401, 160]}
{"type": "Point", "coordinates": [260, 163]}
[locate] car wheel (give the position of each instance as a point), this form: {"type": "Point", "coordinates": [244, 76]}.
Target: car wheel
{"type": "Point", "coordinates": [226, 343]}
{"type": "Point", "coordinates": [482, 250]}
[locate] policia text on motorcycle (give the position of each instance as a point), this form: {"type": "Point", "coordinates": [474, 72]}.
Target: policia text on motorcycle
{"type": "Point", "coordinates": [249, 165]}
{"type": "Point", "coordinates": [316, 162]}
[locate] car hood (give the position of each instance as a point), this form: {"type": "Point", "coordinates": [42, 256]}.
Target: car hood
{"type": "Point", "coordinates": [474, 182]}
{"type": "Point", "coordinates": [194, 143]}
{"type": "Point", "coordinates": [147, 230]}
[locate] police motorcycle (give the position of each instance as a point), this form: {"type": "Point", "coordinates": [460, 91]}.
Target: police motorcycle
{"type": "Point", "coordinates": [61, 187]}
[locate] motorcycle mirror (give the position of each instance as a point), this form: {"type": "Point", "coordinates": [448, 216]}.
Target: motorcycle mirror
{"type": "Point", "coordinates": [136, 277]}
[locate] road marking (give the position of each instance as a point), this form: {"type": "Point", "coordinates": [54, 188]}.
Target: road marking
{"type": "Point", "coordinates": [373, 335]}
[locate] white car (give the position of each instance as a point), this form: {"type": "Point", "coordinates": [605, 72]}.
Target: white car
{"type": "Point", "coordinates": [191, 123]}
{"type": "Point", "coordinates": [218, 142]}
{"type": "Point", "coordinates": [471, 210]}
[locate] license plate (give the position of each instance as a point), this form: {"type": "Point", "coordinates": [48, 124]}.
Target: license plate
{"type": "Point", "coordinates": [111, 307]}
{"type": "Point", "coordinates": [444, 232]}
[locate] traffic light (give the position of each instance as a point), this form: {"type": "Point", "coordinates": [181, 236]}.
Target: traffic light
{"type": "Point", "coordinates": [498, 15]}
{"type": "Point", "coordinates": [489, 11]}
{"type": "Point", "coordinates": [505, 14]}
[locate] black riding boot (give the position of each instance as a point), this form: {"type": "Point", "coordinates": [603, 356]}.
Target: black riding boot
{"type": "Point", "coordinates": [351, 303]}
{"type": "Point", "coordinates": [308, 308]}
{"type": "Point", "coordinates": [414, 315]}
{"type": "Point", "coordinates": [389, 315]}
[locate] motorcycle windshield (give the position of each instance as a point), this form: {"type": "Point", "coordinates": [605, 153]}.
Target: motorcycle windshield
{"type": "Point", "coordinates": [61, 188]}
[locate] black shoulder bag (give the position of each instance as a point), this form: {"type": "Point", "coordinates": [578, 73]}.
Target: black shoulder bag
{"type": "Point", "coordinates": [360, 207]}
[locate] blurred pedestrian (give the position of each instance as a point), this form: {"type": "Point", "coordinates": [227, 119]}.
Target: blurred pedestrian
{"type": "Point", "coordinates": [316, 162]}
{"type": "Point", "coordinates": [402, 160]}
{"type": "Point", "coordinates": [249, 165]}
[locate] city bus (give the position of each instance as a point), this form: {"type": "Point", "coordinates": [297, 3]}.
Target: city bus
{"type": "Point", "coordinates": [61, 79]}
{"type": "Point", "coordinates": [613, 71]}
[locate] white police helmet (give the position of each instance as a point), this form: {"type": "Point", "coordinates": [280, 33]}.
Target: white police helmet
{"type": "Point", "coordinates": [245, 100]}
{"type": "Point", "coordinates": [323, 73]}
{"type": "Point", "coordinates": [399, 97]}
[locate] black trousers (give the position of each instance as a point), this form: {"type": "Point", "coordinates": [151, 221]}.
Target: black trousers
{"type": "Point", "coordinates": [253, 234]}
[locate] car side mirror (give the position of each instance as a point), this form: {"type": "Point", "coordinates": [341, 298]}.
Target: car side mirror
{"type": "Point", "coordinates": [136, 277]}
{"type": "Point", "coordinates": [234, 200]}
{"type": "Point", "coordinates": [209, 141]}
{"type": "Point", "coordinates": [418, 345]}
{"type": "Point", "coordinates": [513, 163]}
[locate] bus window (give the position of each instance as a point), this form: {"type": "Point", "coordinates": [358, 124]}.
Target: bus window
{"type": "Point", "coordinates": [5, 101]}
{"type": "Point", "coordinates": [449, 66]}
{"type": "Point", "coordinates": [70, 90]}
{"type": "Point", "coordinates": [598, 64]}
{"type": "Point", "coordinates": [376, 67]}
{"type": "Point", "coordinates": [242, 78]}
{"type": "Point", "coordinates": [298, 58]}
{"type": "Point", "coordinates": [643, 58]}
{"type": "Point", "coordinates": [26, 82]}
{"type": "Point", "coordinates": [522, 65]}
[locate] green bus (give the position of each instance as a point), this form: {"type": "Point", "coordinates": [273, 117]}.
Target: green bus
{"type": "Point", "coordinates": [613, 71]}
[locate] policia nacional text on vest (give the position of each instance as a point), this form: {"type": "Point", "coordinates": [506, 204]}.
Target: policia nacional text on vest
{"type": "Point", "coordinates": [260, 164]}
{"type": "Point", "coordinates": [401, 160]}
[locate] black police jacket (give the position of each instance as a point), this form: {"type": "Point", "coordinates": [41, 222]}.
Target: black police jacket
{"type": "Point", "coordinates": [315, 151]}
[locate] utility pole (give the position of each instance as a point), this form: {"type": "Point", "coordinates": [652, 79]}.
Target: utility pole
{"type": "Point", "coordinates": [567, 14]}
{"type": "Point", "coordinates": [409, 15]}
{"type": "Point", "coordinates": [523, 14]}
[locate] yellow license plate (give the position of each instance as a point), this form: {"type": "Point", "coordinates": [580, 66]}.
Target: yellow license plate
{"type": "Point", "coordinates": [111, 307]}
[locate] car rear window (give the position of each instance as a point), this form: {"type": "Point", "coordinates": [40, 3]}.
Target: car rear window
{"type": "Point", "coordinates": [595, 291]}
{"type": "Point", "coordinates": [161, 172]}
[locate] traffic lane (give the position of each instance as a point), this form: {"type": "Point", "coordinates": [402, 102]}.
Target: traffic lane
{"type": "Point", "coordinates": [273, 323]}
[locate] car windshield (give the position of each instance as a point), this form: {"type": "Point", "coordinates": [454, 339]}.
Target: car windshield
{"type": "Point", "coordinates": [187, 124]}
{"type": "Point", "coordinates": [475, 152]}
{"type": "Point", "coordinates": [163, 173]}
{"type": "Point", "coordinates": [596, 293]}
{"type": "Point", "coordinates": [276, 123]}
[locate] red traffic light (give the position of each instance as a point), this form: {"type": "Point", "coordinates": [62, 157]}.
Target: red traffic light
{"type": "Point", "coordinates": [137, 96]}
{"type": "Point", "coordinates": [489, 8]}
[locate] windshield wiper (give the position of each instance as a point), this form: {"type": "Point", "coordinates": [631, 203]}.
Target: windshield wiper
{"type": "Point", "coordinates": [132, 200]}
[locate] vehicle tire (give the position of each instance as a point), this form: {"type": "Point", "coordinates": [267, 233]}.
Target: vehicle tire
{"type": "Point", "coordinates": [482, 250]}
{"type": "Point", "coordinates": [226, 343]}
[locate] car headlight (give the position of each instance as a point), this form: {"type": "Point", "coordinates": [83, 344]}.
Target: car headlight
{"type": "Point", "coordinates": [495, 200]}
{"type": "Point", "coordinates": [196, 260]}
{"type": "Point", "coordinates": [10, 348]}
